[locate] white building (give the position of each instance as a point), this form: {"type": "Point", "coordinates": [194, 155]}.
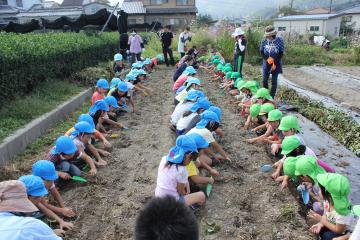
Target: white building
{"type": "Point", "coordinates": [320, 24]}
{"type": "Point", "coordinates": [21, 4]}
{"type": "Point", "coordinates": [352, 15]}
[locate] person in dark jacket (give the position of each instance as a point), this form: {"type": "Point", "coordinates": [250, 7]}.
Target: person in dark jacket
{"type": "Point", "coordinates": [188, 62]}
{"type": "Point", "coordinates": [123, 45]}
{"type": "Point", "coordinates": [166, 39]}
{"type": "Point", "coordinates": [239, 52]}
{"type": "Point", "coordinates": [272, 49]}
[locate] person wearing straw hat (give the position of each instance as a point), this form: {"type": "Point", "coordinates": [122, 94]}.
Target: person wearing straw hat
{"type": "Point", "coordinates": [14, 199]}
{"type": "Point", "coordinates": [272, 49]}
{"type": "Point", "coordinates": [239, 52]}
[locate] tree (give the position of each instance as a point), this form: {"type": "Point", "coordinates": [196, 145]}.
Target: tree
{"type": "Point", "coordinates": [204, 19]}
{"type": "Point", "coordinates": [346, 26]}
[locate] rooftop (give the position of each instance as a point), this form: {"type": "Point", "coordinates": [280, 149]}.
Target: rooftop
{"type": "Point", "coordinates": [135, 7]}
{"type": "Point", "coordinates": [309, 17]}
{"type": "Point", "coordinates": [171, 10]}
{"type": "Point", "coordinates": [351, 10]}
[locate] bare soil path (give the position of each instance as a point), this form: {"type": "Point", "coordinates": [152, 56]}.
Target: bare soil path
{"type": "Point", "coordinates": [340, 83]}
{"type": "Point", "coordinates": [245, 203]}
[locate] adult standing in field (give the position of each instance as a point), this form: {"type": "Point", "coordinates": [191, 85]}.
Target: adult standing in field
{"type": "Point", "coordinates": [184, 37]}
{"type": "Point", "coordinates": [272, 49]}
{"type": "Point", "coordinates": [239, 51]}
{"type": "Point", "coordinates": [136, 46]}
{"type": "Point", "coordinates": [166, 40]}
{"type": "Point", "coordinates": [124, 45]}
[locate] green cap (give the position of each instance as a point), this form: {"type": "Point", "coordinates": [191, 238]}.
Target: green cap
{"type": "Point", "coordinates": [240, 84]}
{"type": "Point", "coordinates": [357, 210]}
{"type": "Point", "coordinates": [235, 75]}
{"type": "Point", "coordinates": [289, 166]}
{"type": "Point", "coordinates": [289, 122]}
{"type": "Point", "coordinates": [228, 74]}
{"type": "Point", "coordinates": [216, 61]}
{"type": "Point", "coordinates": [219, 67]}
{"type": "Point", "coordinates": [289, 144]}
{"type": "Point", "coordinates": [339, 188]}
{"type": "Point", "coordinates": [255, 110]}
{"type": "Point", "coordinates": [228, 65]}
{"type": "Point", "coordinates": [274, 115]}
{"type": "Point", "coordinates": [263, 93]}
{"type": "Point", "coordinates": [307, 166]}
{"type": "Point", "coordinates": [227, 69]}
{"type": "Point", "coordinates": [237, 81]}
{"type": "Point", "coordinates": [251, 85]}
{"type": "Point", "coordinates": [266, 108]}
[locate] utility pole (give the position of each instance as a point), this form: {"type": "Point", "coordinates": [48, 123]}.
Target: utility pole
{"type": "Point", "coordinates": [331, 2]}
{"type": "Point", "coordinates": [291, 4]}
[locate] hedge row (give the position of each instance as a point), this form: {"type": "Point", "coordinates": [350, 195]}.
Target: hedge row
{"type": "Point", "coordinates": [26, 60]}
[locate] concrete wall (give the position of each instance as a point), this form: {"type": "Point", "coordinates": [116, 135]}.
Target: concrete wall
{"type": "Point", "coordinates": [356, 19]}
{"type": "Point", "coordinates": [169, 4]}
{"type": "Point", "coordinates": [329, 27]}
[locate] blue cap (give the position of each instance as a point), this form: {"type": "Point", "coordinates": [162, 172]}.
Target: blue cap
{"type": "Point", "coordinates": [147, 61]}
{"type": "Point", "coordinates": [130, 77]}
{"type": "Point", "coordinates": [98, 105]}
{"type": "Point", "coordinates": [192, 80]}
{"type": "Point", "coordinates": [184, 144]}
{"type": "Point", "coordinates": [102, 83]}
{"type": "Point", "coordinates": [45, 169]}
{"type": "Point", "coordinates": [65, 145]}
{"type": "Point", "coordinates": [34, 185]}
{"type": "Point", "coordinates": [118, 57]}
{"type": "Point", "coordinates": [206, 117]}
{"type": "Point", "coordinates": [193, 95]}
{"type": "Point", "coordinates": [114, 82]}
{"type": "Point", "coordinates": [86, 118]}
{"type": "Point", "coordinates": [138, 64]}
{"type": "Point", "coordinates": [190, 70]}
{"type": "Point", "coordinates": [216, 110]}
{"type": "Point", "coordinates": [111, 101]}
{"type": "Point", "coordinates": [200, 142]}
{"type": "Point", "coordinates": [122, 87]}
{"type": "Point", "coordinates": [141, 72]}
{"type": "Point", "coordinates": [200, 103]}
{"type": "Point", "coordinates": [83, 127]}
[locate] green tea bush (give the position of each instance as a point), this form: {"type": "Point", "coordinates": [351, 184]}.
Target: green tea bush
{"type": "Point", "coordinates": [201, 38]}
{"type": "Point", "coordinates": [302, 54]}
{"type": "Point", "coordinates": [254, 38]}
{"type": "Point", "coordinates": [225, 45]}
{"type": "Point", "coordinates": [26, 60]}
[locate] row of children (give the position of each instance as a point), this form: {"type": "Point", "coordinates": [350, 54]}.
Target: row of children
{"type": "Point", "coordinates": [79, 150]}
{"type": "Point", "coordinates": [331, 208]}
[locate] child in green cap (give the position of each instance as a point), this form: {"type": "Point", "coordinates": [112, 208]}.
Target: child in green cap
{"type": "Point", "coordinates": [252, 119]}
{"type": "Point", "coordinates": [263, 115]}
{"type": "Point", "coordinates": [338, 219]}
{"type": "Point", "coordinates": [248, 90]}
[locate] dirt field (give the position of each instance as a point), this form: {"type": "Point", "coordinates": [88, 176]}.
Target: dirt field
{"type": "Point", "coordinates": [340, 83]}
{"type": "Point", "coordinates": [245, 203]}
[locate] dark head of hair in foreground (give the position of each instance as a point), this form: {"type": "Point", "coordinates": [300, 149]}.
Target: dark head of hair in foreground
{"type": "Point", "coordinates": [166, 219]}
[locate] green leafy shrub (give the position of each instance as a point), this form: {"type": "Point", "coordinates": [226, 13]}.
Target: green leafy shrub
{"type": "Point", "coordinates": [225, 45]}
{"type": "Point", "coordinates": [301, 54]}
{"type": "Point", "coordinates": [254, 38]}
{"type": "Point", "coordinates": [356, 54]}
{"type": "Point", "coordinates": [29, 59]}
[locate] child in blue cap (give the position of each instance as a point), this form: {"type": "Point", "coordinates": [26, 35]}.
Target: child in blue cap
{"type": "Point", "coordinates": [36, 192]}
{"type": "Point", "coordinates": [201, 161]}
{"type": "Point", "coordinates": [118, 63]}
{"type": "Point", "coordinates": [191, 83]}
{"type": "Point", "coordinates": [123, 97]}
{"type": "Point", "coordinates": [82, 139]}
{"type": "Point", "coordinates": [208, 124]}
{"type": "Point", "coordinates": [67, 159]}
{"type": "Point", "coordinates": [102, 86]}
{"type": "Point", "coordinates": [140, 78]}
{"type": "Point", "coordinates": [46, 171]}
{"type": "Point", "coordinates": [201, 105]}
{"type": "Point", "coordinates": [172, 179]}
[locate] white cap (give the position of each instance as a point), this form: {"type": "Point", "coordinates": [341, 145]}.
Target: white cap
{"type": "Point", "coordinates": [238, 32]}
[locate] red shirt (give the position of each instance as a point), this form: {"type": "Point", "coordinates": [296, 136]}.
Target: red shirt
{"type": "Point", "coordinates": [96, 97]}
{"type": "Point", "coordinates": [179, 82]}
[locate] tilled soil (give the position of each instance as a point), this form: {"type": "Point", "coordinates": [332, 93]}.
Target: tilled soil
{"type": "Point", "coordinates": [244, 204]}
{"type": "Point", "coordinates": [340, 83]}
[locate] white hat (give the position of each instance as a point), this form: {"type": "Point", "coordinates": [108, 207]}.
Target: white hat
{"type": "Point", "coordinates": [238, 32]}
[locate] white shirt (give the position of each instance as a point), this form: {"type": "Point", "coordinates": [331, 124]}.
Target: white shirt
{"type": "Point", "coordinates": [168, 178]}
{"type": "Point", "coordinates": [356, 233]}
{"type": "Point", "coordinates": [180, 109]}
{"type": "Point", "coordinates": [24, 228]}
{"type": "Point", "coordinates": [204, 132]}
{"type": "Point", "coordinates": [333, 217]}
{"type": "Point", "coordinates": [181, 45]}
{"type": "Point", "coordinates": [185, 121]}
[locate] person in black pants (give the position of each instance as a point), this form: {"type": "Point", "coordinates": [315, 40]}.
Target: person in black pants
{"type": "Point", "coordinates": [166, 39]}
{"type": "Point", "coordinates": [124, 46]}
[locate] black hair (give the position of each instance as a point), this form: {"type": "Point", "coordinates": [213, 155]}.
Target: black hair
{"type": "Point", "coordinates": [166, 218]}
{"type": "Point", "coordinates": [300, 150]}
{"type": "Point", "coordinates": [187, 28]}
{"type": "Point", "coordinates": [134, 31]}
{"type": "Point", "coordinates": [212, 126]}
{"type": "Point", "coordinates": [326, 194]}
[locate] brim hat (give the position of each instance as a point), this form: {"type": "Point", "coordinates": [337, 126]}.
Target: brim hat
{"type": "Point", "coordinates": [289, 166]}
{"type": "Point", "coordinates": [200, 142]}
{"type": "Point", "coordinates": [184, 144]}
{"type": "Point", "coordinates": [44, 169]}
{"type": "Point", "coordinates": [289, 144]}
{"type": "Point", "coordinates": [200, 103]}
{"type": "Point", "coordinates": [307, 166]}
{"type": "Point", "coordinates": [34, 185]}
{"type": "Point", "coordinates": [206, 117]}
{"type": "Point", "coordinates": [275, 115]}
{"type": "Point", "coordinates": [14, 198]}
{"type": "Point", "coordinates": [270, 31]}
{"type": "Point", "coordinates": [111, 101]}
{"type": "Point", "coordinates": [98, 105]}
{"type": "Point", "coordinates": [238, 32]}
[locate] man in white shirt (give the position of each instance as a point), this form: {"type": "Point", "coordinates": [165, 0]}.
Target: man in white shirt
{"type": "Point", "coordinates": [14, 201]}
